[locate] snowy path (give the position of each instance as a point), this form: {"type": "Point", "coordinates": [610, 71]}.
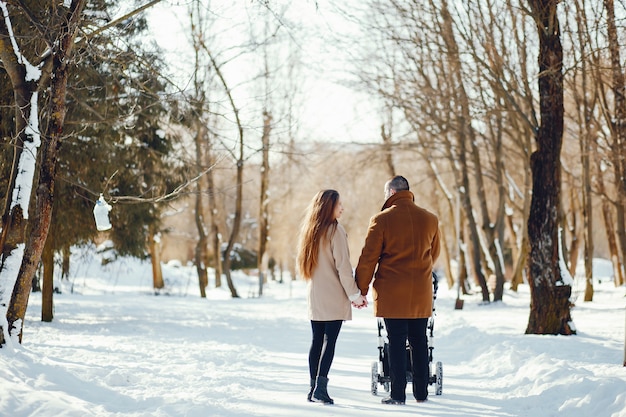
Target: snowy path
{"type": "Point", "coordinates": [133, 354]}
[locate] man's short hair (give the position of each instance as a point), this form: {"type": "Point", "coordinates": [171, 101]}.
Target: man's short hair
{"type": "Point", "coordinates": [398, 183]}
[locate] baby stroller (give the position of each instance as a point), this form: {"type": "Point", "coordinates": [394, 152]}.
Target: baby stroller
{"type": "Point", "coordinates": [380, 368]}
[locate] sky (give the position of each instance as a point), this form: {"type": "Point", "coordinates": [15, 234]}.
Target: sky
{"type": "Point", "coordinates": [116, 349]}
{"type": "Point", "coordinates": [328, 109]}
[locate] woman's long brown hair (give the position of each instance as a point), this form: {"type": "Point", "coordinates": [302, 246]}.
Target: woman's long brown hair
{"type": "Point", "coordinates": [318, 220]}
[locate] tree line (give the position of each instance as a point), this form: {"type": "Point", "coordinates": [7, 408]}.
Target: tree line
{"type": "Point", "coordinates": [517, 109]}
{"type": "Point", "coordinates": [512, 110]}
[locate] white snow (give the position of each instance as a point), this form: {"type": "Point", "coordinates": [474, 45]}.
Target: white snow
{"type": "Point", "coordinates": [26, 164]}
{"type": "Point", "coordinates": [115, 349]}
{"type": "Point", "coordinates": [566, 277]}
{"type": "Point", "coordinates": [10, 271]}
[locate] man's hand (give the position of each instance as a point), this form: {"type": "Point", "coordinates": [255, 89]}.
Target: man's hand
{"type": "Point", "coordinates": [360, 302]}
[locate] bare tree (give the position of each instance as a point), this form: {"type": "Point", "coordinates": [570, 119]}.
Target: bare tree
{"type": "Point", "coordinates": [264, 208]}
{"type": "Point", "coordinates": [601, 146]}
{"type": "Point", "coordinates": [585, 99]}
{"type": "Point", "coordinates": [466, 137]}
{"type": "Point", "coordinates": [240, 157]}
{"type": "Point", "coordinates": [471, 106]}
{"type": "Point", "coordinates": [216, 236]}
{"type": "Point", "coordinates": [386, 130]}
{"type": "Point", "coordinates": [617, 125]}
{"type": "Point", "coordinates": [267, 78]}
{"type": "Point", "coordinates": [550, 289]}
{"type": "Point", "coordinates": [201, 138]}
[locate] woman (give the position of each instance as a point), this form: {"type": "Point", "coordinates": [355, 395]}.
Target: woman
{"type": "Point", "coordinates": [324, 261]}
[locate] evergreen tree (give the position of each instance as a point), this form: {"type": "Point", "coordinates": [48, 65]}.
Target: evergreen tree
{"type": "Point", "coordinates": [115, 145]}
{"type": "Point", "coordinates": [110, 138]}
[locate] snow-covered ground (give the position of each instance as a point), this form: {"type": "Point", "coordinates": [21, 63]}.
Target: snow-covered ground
{"type": "Point", "coordinates": [116, 349]}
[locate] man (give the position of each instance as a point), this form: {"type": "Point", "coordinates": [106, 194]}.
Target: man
{"type": "Point", "coordinates": [403, 240]}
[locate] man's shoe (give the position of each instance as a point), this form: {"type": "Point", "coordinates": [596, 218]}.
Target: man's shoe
{"type": "Point", "coordinates": [422, 401]}
{"type": "Point", "coordinates": [390, 400]}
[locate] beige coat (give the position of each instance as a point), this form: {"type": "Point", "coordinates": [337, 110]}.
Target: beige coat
{"type": "Point", "coordinates": [332, 283]}
{"type": "Point", "coordinates": [403, 240]}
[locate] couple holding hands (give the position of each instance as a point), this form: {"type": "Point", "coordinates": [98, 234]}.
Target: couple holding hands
{"type": "Point", "coordinates": [401, 247]}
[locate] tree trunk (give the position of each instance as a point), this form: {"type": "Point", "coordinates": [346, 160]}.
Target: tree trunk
{"type": "Point", "coordinates": [445, 251]}
{"type": "Point", "coordinates": [13, 231]}
{"type": "Point", "coordinates": [47, 285]}
{"type": "Point", "coordinates": [388, 149]}
{"type": "Point", "coordinates": [15, 212]}
{"type": "Point", "coordinates": [215, 231]}
{"type": "Point", "coordinates": [588, 220]}
{"type": "Point", "coordinates": [618, 270]}
{"type": "Point", "coordinates": [201, 139]}
{"type": "Point", "coordinates": [562, 227]}
{"type": "Point", "coordinates": [618, 125]}
{"type": "Point", "coordinates": [584, 100]}
{"type": "Point", "coordinates": [495, 231]}
{"type": "Point", "coordinates": [464, 136]}
{"type": "Point", "coordinates": [201, 245]}
{"type": "Point", "coordinates": [47, 171]}
{"type": "Point", "coordinates": [18, 195]}
{"type": "Point", "coordinates": [476, 253]}
{"type": "Point", "coordinates": [571, 252]}
{"type": "Point", "coordinates": [462, 274]}
{"type": "Point", "coordinates": [594, 155]}
{"type": "Point", "coordinates": [607, 217]}
{"type": "Point", "coordinates": [236, 225]}
{"type": "Point", "coordinates": [234, 233]}
{"type": "Point", "coordinates": [217, 247]}
{"type": "Point", "coordinates": [65, 263]}
{"type": "Point", "coordinates": [550, 293]}
{"type": "Point", "coordinates": [264, 212]}
{"type": "Point", "coordinates": [520, 265]}
{"type": "Point", "coordinates": [454, 221]}
{"type": "Point", "coordinates": [155, 260]}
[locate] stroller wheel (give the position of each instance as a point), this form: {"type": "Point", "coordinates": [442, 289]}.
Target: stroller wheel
{"type": "Point", "coordinates": [374, 378]}
{"type": "Point", "coordinates": [439, 381]}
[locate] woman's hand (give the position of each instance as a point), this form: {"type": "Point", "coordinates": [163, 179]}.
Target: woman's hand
{"type": "Point", "coordinates": [360, 302]}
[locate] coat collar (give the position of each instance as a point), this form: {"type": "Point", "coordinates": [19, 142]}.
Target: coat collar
{"type": "Point", "coordinates": [400, 195]}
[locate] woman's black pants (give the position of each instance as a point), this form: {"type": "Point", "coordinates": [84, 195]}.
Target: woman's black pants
{"type": "Point", "coordinates": [322, 350]}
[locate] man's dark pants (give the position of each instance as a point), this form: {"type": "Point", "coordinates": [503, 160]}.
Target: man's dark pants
{"type": "Point", "coordinates": [398, 331]}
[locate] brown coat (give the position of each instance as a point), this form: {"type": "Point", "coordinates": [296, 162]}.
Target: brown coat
{"type": "Point", "coordinates": [403, 240]}
{"type": "Point", "coordinates": [332, 283]}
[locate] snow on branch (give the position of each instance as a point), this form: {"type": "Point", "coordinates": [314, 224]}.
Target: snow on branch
{"type": "Point", "coordinates": [32, 72]}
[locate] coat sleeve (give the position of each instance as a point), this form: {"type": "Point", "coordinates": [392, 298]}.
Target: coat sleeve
{"type": "Point", "coordinates": [370, 254]}
{"type": "Point", "coordinates": [435, 245]}
{"type": "Point", "coordinates": [341, 255]}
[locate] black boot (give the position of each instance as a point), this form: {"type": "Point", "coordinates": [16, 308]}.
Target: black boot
{"type": "Point", "coordinates": [308, 397]}
{"type": "Point", "coordinates": [320, 394]}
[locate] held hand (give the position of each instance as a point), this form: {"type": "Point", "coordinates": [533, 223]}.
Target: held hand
{"type": "Point", "coordinates": [360, 302]}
